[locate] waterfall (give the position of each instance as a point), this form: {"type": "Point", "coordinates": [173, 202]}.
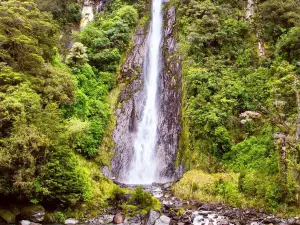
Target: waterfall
{"type": "Point", "coordinates": [143, 167]}
{"type": "Point", "coordinates": [87, 13]}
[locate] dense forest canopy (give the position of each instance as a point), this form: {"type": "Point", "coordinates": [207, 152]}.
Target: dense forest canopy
{"type": "Point", "coordinates": [54, 112]}
{"type": "Point", "coordinates": [240, 106]}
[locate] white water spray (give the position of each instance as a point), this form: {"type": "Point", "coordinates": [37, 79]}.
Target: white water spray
{"type": "Point", "coordinates": [143, 169]}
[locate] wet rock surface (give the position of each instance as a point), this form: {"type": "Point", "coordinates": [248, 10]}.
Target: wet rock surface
{"type": "Point", "coordinates": [130, 105]}
{"type": "Point", "coordinates": [169, 123]}
{"type": "Point", "coordinates": [182, 212]}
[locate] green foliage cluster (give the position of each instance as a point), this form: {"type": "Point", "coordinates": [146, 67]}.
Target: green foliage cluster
{"type": "Point", "coordinates": [64, 11]}
{"type": "Point", "coordinates": [108, 37]}
{"type": "Point", "coordinates": [140, 202]}
{"type": "Point", "coordinates": [94, 61]}
{"type": "Point", "coordinates": [241, 103]}
{"type": "Point", "coordinates": [51, 113]}
{"type": "Point", "coordinates": [37, 163]}
{"type": "Point", "coordinates": [204, 187]}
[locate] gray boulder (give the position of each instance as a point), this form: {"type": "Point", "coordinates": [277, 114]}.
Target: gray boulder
{"type": "Point", "coordinates": [151, 217]}
{"type": "Point", "coordinates": [71, 221]}
{"type": "Point", "coordinates": [163, 220]}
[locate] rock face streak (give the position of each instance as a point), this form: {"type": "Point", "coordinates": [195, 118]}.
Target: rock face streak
{"type": "Point", "coordinates": [132, 99]}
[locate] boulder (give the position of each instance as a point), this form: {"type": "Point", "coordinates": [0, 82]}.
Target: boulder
{"type": "Point", "coordinates": [118, 219]}
{"type": "Point", "coordinates": [7, 216]}
{"type": "Point", "coordinates": [205, 207]}
{"type": "Point", "coordinates": [34, 213]}
{"type": "Point", "coordinates": [71, 221]}
{"type": "Point", "coordinates": [163, 220]}
{"type": "Point", "coordinates": [291, 221]}
{"type": "Point", "coordinates": [151, 217]}
{"type": "Point", "coordinates": [222, 222]}
{"type": "Point", "coordinates": [186, 219]}
{"type": "Point", "coordinates": [24, 222]}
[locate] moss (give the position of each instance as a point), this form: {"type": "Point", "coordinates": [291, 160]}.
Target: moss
{"type": "Point", "coordinates": [205, 187]}
{"type": "Point", "coordinates": [107, 146]}
{"type": "Point", "coordinates": [140, 203]}
{"type": "Point", "coordinates": [26, 211]}
{"type": "Point", "coordinates": [7, 216]}
{"type": "Point", "coordinates": [50, 217]}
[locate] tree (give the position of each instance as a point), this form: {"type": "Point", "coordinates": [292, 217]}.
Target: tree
{"type": "Point", "coordinates": [77, 55]}
{"type": "Point", "coordinates": [277, 17]}
{"type": "Point", "coordinates": [27, 36]}
{"type": "Point", "coordinates": [288, 46]}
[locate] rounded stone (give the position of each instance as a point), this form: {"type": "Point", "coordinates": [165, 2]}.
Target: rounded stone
{"type": "Point", "coordinates": [118, 219]}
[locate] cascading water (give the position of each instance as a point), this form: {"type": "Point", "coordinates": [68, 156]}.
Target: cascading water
{"type": "Point", "coordinates": [143, 168]}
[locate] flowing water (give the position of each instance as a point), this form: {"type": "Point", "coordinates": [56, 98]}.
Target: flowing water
{"type": "Point", "coordinates": [87, 15]}
{"type": "Point", "coordinates": [143, 169]}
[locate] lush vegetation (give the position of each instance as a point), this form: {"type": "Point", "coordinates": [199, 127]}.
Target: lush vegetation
{"type": "Point", "coordinates": [241, 103]}
{"type": "Point", "coordinates": [240, 106]}
{"type": "Point", "coordinates": [54, 107]}
{"type": "Point", "coordinates": [135, 202]}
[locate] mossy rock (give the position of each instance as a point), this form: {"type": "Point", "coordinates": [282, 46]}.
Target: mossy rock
{"type": "Point", "coordinates": [14, 209]}
{"type": "Point", "coordinates": [34, 213]}
{"type": "Point", "coordinates": [7, 216]}
{"type": "Point", "coordinates": [50, 217]}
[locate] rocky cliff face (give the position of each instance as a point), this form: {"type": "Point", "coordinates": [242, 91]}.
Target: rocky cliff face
{"type": "Point", "coordinates": [132, 99]}
{"type": "Point", "coordinates": [169, 124]}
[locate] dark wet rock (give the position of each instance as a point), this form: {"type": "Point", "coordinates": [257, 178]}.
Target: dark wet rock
{"type": "Point", "coordinates": [14, 209]}
{"type": "Point", "coordinates": [177, 218]}
{"type": "Point", "coordinates": [106, 172]}
{"type": "Point", "coordinates": [291, 221]}
{"type": "Point", "coordinates": [130, 99]}
{"type": "Point", "coordinates": [151, 217]}
{"type": "Point", "coordinates": [122, 197]}
{"type": "Point", "coordinates": [222, 222]}
{"type": "Point", "coordinates": [171, 20]}
{"type": "Point", "coordinates": [271, 219]}
{"type": "Point", "coordinates": [136, 220]}
{"type": "Point", "coordinates": [204, 213]}
{"type": "Point", "coordinates": [186, 219]}
{"type": "Point", "coordinates": [118, 219]}
{"type": "Point", "coordinates": [34, 213]}
{"type": "Point", "coordinates": [205, 207]}
{"type": "Point", "coordinates": [169, 126]}
{"type": "Point", "coordinates": [7, 216]}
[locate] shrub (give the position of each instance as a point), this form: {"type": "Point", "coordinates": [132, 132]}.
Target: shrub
{"type": "Point", "coordinates": [141, 202]}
